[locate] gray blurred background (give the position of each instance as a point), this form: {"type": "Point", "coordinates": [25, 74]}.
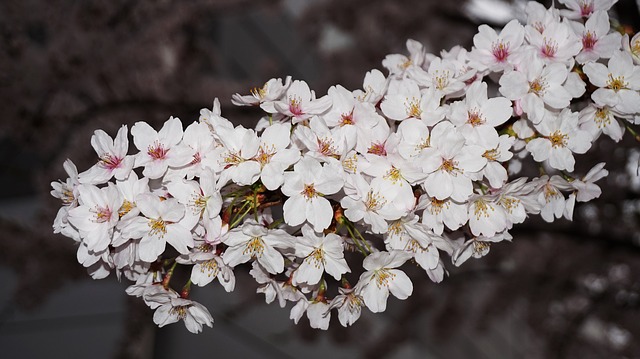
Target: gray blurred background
{"type": "Point", "coordinates": [570, 290]}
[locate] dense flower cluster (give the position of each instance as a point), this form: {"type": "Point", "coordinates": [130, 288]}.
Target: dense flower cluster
{"type": "Point", "coordinates": [328, 197]}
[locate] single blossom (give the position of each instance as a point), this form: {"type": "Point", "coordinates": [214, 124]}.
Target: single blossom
{"type": "Point", "coordinates": [381, 278]}
{"type": "Point", "coordinates": [113, 158]}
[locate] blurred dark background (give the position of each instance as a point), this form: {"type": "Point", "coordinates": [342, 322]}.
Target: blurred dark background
{"type": "Point", "coordinates": [567, 290]}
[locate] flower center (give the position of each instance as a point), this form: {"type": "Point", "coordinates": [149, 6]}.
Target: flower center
{"type": "Point", "coordinates": [481, 209]}
{"type": "Point", "coordinates": [509, 203]}
{"type": "Point", "coordinates": [317, 257]}
{"type": "Point", "coordinates": [413, 107]}
{"type": "Point", "coordinates": [326, 147]}
{"type": "Point", "coordinates": [374, 201]}
{"type": "Point", "coordinates": [442, 81]}
{"type": "Point", "coordinates": [449, 166]}
{"type": "Point", "coordinates": [264, 154]}
{"type": "Point", "coordinates": [377, 149]}
{"type": "Point", "coordinates": [382, 277]}
{"type": "Point", "coordinates": [157, 151]}
{"type": "Point", "coordinates": [549, 48]}
{"type": "Point", "coordinates": [179, 311]}
{"type": "Point", "coordinates": [474, 118]}
{"type": "Point", "coordinates": [103, 214]}
{"type": "Point", "coordinates": [616, 83]}
{"type": "Point", "coordinates": [602, 117]}
{"type": "Point", "coordinates": [558, 139]}
{"type": "Point", "coordinates": [538, 86]}
{"type": "Point", "coordinates": [294, 106]}
{"type": "Point", "coordinates": [500, 51]}
{"type": "Point", "coordinates": [309, 191]}
{"type": "Point", "coordinates": [259, 93]}
{"type": "Point", "coordinates": [211, 266]}
{"type": "Point", "coordinates": [480, 247]}
{"type": "Point", "coordinates": [586, 8]}
{"type": "Point", "coordinates": [125, 208]}
{"type": "Point", "coordinates": [491, 155]}
{"type": "Point", "coordinates": [589, 40]}
{"type": "Point", "coordinates": [437, 205]}
{"type": "Point", "coordinates": [158, 227]}
{"type": "Point", "coordinates": [393, 175]}
{"type": "Point", "coordinates": [346, 119]}
{"type": "Point", "coordinates": [255, 247]}
{"type": "Point", "coordinates": [232, 159]}
{"type": "Point", "coordinates": [197, 158]}
{"type": "Point", "coordinates": [110, 161]}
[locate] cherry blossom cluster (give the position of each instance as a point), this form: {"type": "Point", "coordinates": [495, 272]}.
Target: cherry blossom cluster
{"type": "Point", "coordinates": [328, 198]}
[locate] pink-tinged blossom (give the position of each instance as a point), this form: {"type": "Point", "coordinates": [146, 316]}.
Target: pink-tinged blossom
{"type": "Point", "coordinates": [97, 215]}
{"type": "Point", "coordinates": [320, 254]}
{"type": "Point", "coordinates": [556, 44]}
{"type": "Point", "coordinates": [159, 224]}
{"type": "Point", "coordinates": [618, 83]}
{"type": "Point", "coordinates": [449, 162]}
{"type": "Point", "coordinates": [351, 116]}
{"type": "Point", "coordinates": [497, 52]}
{"type": "Point", "coordinates": [539, 17]}
{"type": "Point", "coordinates": [200, 140]}
{"type": "Point", "coordinates": [159, 150]}
{"type": "Point", "coordinates": [382, 277]}
{"type": "Point", "coordinates": [306, 186]}
{"type": "Point", "coordinates": [234, 159]}
{"type": "Point", "coordinates": [321, 142]}
{"type": "Point", "coordinates": [578, 9]}
{"type": "Point", "coordinates": [476, 116]}
{"type": "Point", "coordinates": [561, 139]}
{"type": "Point", "coordinates": [252, 241]}
{"type": "Point", "coordinates": [113, 158]}
{"type": "Point", "coordinates": [300, 103]}
{"type": "Point", "coordinates": [597, 42]}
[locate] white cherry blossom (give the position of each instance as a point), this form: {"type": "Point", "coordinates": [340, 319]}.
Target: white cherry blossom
{"type": "Point", "coordinates": [97, 215]}
{"type": "Point", "coordinates": [254, 241]}
{"type": "Point", "coordinates": [159, 225]}
{"type": "Point", "coordinates": [321, 254]}
{"type": "Point", "coordinates": [618, 83]}
{"type": "Point", "coordinates": [306, 186]}
{"type": "Point", "coordinates": [381, 278]}
{"type": "Point", "coordinates": [562, 138]}
{"type": "Point", "coordinates": [159, 150]}
{"type": "Point", "coordinates": [112, 153]}
{"type": "Point", "coordinates": [497, 52]}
